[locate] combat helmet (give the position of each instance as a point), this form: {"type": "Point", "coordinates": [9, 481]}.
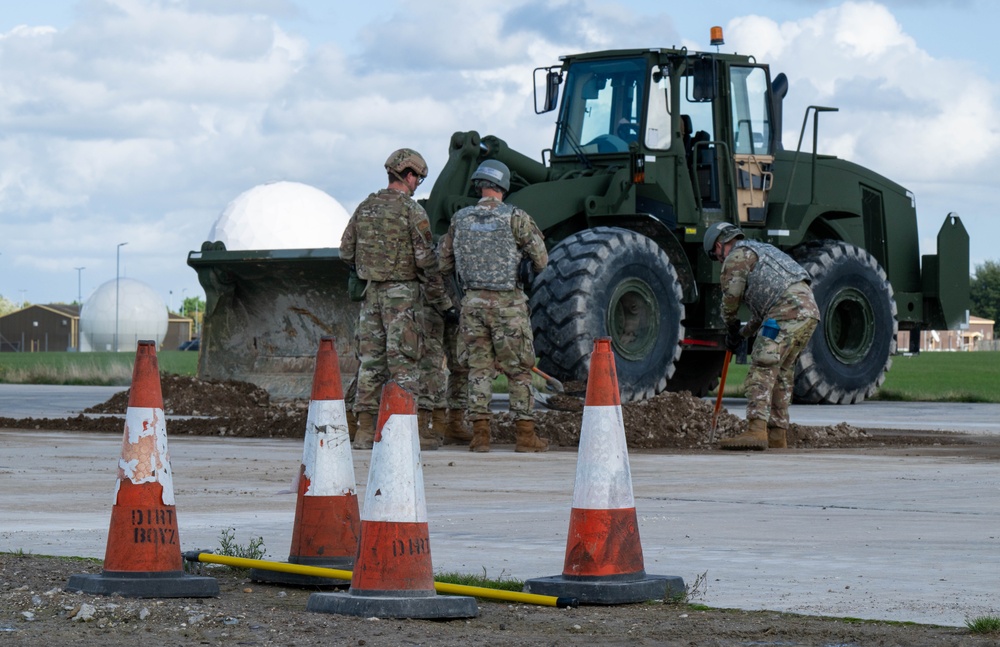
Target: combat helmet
{"type": "Point", "coordinates": [720, 232]}
{"type": "Point", "coordinates": [406, 159]}
{"type": "Point", "coordinates": [494, 172]}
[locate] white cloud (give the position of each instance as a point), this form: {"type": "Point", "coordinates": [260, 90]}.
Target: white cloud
{"type": "Point", "coordinates": [926, 123]}
{"type": "Point", "coordinates": [143, 118]}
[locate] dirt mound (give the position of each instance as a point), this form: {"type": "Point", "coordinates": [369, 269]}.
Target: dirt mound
{"type": "Point", "coordinates": [208, 408]}
{"type": "Point", "coordinates": [230, 408]}
{"type": "Point", "coordinates": [189, 396]}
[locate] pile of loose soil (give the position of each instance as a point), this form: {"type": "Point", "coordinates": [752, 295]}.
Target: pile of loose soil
{"type": "Point", "coordinates": [230, 408]}
{"type": "Point", "coordinates": [36, 610]}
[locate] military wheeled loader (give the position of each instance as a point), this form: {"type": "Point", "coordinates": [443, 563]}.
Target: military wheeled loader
{"type": "Point", "coordinates": [651, 147]}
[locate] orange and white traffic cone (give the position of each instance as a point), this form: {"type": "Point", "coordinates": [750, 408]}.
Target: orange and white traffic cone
{"type": "Point", "coordinates": [393, 576]}
{"type": "Point", "coordinates": [143, 556]}
{"type": "Point", "coordinates": [327, 523]}
{"type": "Point", "coordinates": [604, 563]}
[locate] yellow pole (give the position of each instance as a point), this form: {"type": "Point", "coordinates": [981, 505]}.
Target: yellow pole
{"type": "Point", "coordinates": [338, 574]}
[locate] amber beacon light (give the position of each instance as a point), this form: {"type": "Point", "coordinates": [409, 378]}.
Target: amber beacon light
{"type": "Point", "coordinates": [717, 38]}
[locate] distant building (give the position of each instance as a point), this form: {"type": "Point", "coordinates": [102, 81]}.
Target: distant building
{"type": "Point", "coordinates": [39, 328]}
{"type": "Point", "coordinates": [978, 336]}
{"type": "Point", "coordinates": [55, 327]}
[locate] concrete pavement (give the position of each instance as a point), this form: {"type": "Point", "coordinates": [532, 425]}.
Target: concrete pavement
{"type": "Point", "coordinates": [826, 532]}
{"type": "Point", "coordinates": [51, 400]}
{"type": "Point", "coordinates": [830, 532]}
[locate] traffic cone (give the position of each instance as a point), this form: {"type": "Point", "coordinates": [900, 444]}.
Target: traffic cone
{"type": "Point", "coordinates": [393, 576]}
{"type": "Point", "coordinates": [143, 555]}
{"type": "Point", "coordinates": [327, 522]}
{"type": "Point", "coordinates": [604, 562]}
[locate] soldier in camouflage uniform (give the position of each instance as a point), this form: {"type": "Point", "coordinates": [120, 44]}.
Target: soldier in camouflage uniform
{"type": "Point", "coordinates": [485, 244]}
{"type": "Point", "coordinates": [773, 286]}
{"type": "Point", "coordinates": [388, 240]}
{"type": "Point", "coordinates": [457, 396]}
{"type": "Point", "coordinates": [439, 376]}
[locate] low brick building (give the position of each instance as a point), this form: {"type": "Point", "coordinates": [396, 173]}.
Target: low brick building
{"type": "Point", "coordinates": [55, 327]}
{"type": "Point", "coordinates": [978, 336]}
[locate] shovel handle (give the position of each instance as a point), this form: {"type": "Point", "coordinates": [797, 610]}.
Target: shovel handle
{"type": "Point", "coordinates": [556, 384]}
{"type": "Point", "coordinates": [718, 398]}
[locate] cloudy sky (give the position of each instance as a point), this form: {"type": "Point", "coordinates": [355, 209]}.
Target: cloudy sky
{"type": "Point", "coordinates": [138, 120]}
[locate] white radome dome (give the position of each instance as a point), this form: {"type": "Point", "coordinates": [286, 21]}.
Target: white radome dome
{"type": "Point", "coordinates": [142, 315]}
{"type": "Point", "coordinates": [281, 215]}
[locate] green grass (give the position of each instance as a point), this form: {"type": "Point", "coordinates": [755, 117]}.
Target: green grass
{"type": "Point", "coordinates": [943, 377]}
{"type": "Point", "coordinates": [927, 377]}
{"type": "Point", "coordinates": [502, 583]}
{"type": "Point", "coordinates": [984, 625]}
{"type": "Point", "coordinates": [20, 552]}
{"type": "Point", "coordinates": [93, 369]}
{"type": "Point", "coordinates": [229, 547]}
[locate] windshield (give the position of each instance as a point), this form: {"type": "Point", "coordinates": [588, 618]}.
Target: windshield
{"type": "Point", "coordinates": [751, 111]}
{"type": "Point", "coordinates": [601, 107]}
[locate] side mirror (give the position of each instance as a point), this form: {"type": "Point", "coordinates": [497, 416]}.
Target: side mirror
{"type": "Point", "coordinates": [553, 79]}
{"type": "Point", "coordinates": [704, 79]}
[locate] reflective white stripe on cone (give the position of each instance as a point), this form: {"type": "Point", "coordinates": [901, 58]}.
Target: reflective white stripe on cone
{"type": "Point", "coordinates": [327, 521]}
{"type": "Point", "coordinates": [393, 575]}
{"type": "Point", "coordinates": [604, 563]}
{"type": "Point", "coordinates": [143, 555]}
{"type": "Point", "coordinates": [604, 534]}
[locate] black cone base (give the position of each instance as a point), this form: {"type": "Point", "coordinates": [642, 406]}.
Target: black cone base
{"type": "Point", "coordinates": [431, 607]}
{"type": "Point", "coordinates": [166, 584]}
{"type": "Point", "coordinates": [610, 591]}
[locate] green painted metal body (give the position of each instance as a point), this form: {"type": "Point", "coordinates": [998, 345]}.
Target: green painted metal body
{"type": "Point", "coordinates": [813, 197]}
{"type": "Point", "coordinates": [267, 309]}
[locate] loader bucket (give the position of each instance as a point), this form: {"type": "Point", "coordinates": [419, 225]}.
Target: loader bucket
{"type": "Point", "coordinates": [266, 311]}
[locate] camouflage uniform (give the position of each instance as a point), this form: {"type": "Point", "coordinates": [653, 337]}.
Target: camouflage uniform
{"type": "Point", "coordinates": [434, 382]}
{"type": "Point", "coordinates": [388, 239]}
{"type": "Point", "coordinates": [495, 328]}
{"type": "Point", "coordinates": [457, 395]}
{"type": "Point", "coordinates": [772, 286]}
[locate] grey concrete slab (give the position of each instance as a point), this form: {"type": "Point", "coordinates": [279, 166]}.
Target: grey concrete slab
{"type": "Point", "coordinates": [828, 532]}
{"type": "Point", "coordinates": [966, 417]}
{"type": "Point", "coordinates": [51, 400]}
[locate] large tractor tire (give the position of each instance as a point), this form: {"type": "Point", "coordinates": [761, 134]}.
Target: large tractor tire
{"type": "Point", "coordinates": [609, 282]}
{"type": "Point", "coordinates": [851, 350]}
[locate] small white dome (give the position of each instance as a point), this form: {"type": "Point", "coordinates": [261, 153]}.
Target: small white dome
{"type": "Point", "coordinates": [141, 315]}
{"type": "Point", "coordinates": [281, 215]}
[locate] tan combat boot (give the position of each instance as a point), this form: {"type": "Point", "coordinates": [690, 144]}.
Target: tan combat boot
{"type": "Point", "coordinates": [754, 438]}
{"type": "Point", "coordinates": [528, 440]}
{"type": "Point", "coordinates": [777, 438]}
{"type": "Point", "coordinates": [439, 424]}
{"type": "Point", "coordinates": [352, 426]}
{"type": "Point", "coordinates": [428, 440]}
{"type": "Point", "coordinates": [456, 433]}
{"type": "Point", "coordinates": [480, 436]}
{"type": "Point", "coordinates": [365, 436]}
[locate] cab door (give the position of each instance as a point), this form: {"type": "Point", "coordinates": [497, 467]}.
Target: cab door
{"type": "Point", "coordinates": [753, 155]}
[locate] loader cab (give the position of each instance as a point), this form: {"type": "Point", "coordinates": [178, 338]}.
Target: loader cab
{"type": "Point", "coordinates": [729, 106]}
{"type": "Point", "coordinates": [602, 107]}
{"type": "Point", "coordinates": [644, 101]}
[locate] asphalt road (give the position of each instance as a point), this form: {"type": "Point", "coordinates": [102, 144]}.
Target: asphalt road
{"type": "Point", "coordinates": [894, 535]}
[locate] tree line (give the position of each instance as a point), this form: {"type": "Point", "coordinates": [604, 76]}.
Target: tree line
{"type": "Point", "coordinates": [984, 292]}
